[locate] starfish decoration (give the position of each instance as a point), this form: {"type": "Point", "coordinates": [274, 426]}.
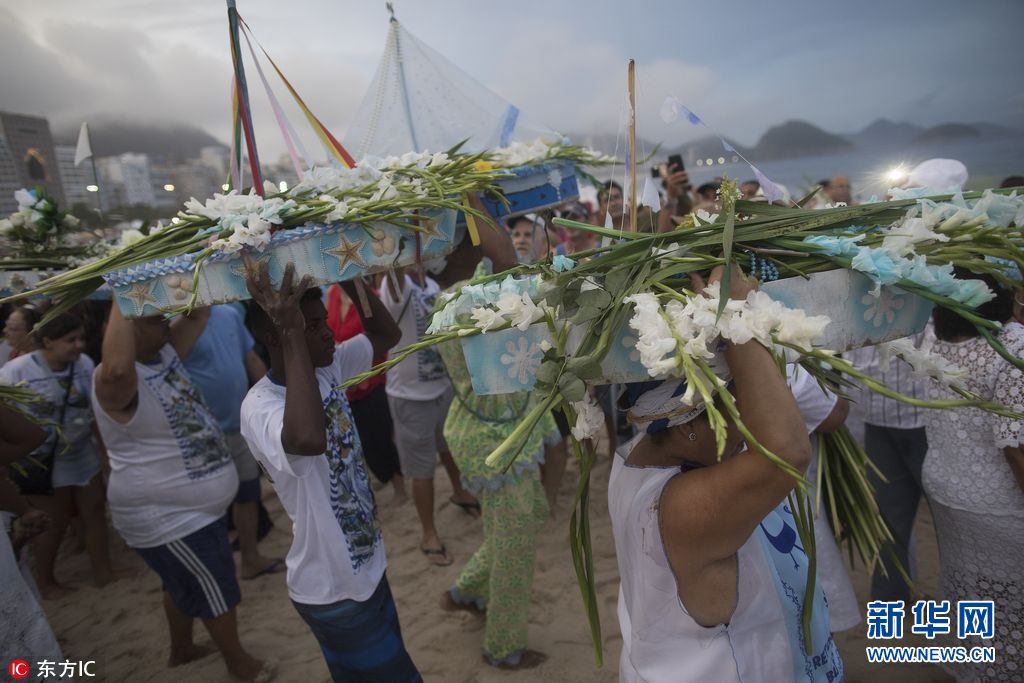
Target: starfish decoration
{"type": "Point", "coordinates": [239, 268]}
{"type": "Point", "coordinates": [431, 231]}
{"type": "Point", "coordinates": [140, 293]}
{"type": "Point", "coordinates": [347, 252]}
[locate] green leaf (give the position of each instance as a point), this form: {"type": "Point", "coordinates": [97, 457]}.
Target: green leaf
{"type": "Point", "coordinates": [585, 314]}
{"type": "Point", "coordinates": [548, 372]}
{"type": "Point", "coordinates": [616, 279]}
{"type": "Point", "coordinates": [551, 293]}
{"type": "Point", "coordinates": [594, 298]}
{"type": "Point", "coordinates": [585, 367]}
{"type": "Point", "coordinates": [572, 387]}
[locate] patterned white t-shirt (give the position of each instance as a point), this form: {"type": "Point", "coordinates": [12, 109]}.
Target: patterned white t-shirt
{"type": "Point", "coordinates": [337, 552]}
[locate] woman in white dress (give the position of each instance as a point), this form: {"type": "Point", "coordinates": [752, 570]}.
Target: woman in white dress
{"type": "Point", "coordinates": [60, 373]}
{"type": "Point", "coordinates": [712, 571]}
{"type": "Point", "coordinates": [973, 476]}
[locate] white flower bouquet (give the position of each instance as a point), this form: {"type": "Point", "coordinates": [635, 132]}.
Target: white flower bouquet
{"type": "Point", "coordinates": [640, 280]}
{"type": "Point", "coordinates": [376, 204]}
{"type": "Point", "coordinates": [39, 239]}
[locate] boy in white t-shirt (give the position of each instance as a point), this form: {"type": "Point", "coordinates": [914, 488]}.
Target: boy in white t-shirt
{"type": "Point", "coordinates": [298, 424]}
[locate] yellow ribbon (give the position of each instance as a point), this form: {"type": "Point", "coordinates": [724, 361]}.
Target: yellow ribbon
{"type": "Point", "coordinates": [474, 234]}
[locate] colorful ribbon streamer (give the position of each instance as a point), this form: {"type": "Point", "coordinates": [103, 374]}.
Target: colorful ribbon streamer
{"type": "Point", "coordinates": [242, 95]}
{"type": "Point", "coordinates": [330, 143]}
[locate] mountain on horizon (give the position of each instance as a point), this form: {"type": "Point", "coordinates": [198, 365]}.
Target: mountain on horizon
{"type": "Point", "coordinates": [173, 142]}
{"type": "Point", "coordinates": [885, 133]}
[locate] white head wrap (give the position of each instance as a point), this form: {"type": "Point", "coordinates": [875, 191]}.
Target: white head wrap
{"type": "Point", "coordinates": [663, 407]}
{"type": "Point", "coordinates": [941, 175]}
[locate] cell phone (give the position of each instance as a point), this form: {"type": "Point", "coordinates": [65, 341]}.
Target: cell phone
{"type": "Point", "coordinates": [677, 161]}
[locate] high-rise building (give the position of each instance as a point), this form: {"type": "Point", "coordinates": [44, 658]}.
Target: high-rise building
{"type": "Point", "coordinates": [31, 147]}
{"type": "Point", "coordinates": [9, 183]}
{"type": "Point", "coordinates": [125, 180]}
{"type": "Point", "coordinates": [215, 157]}
{"type": "Point", "coordinates": [75, 179]}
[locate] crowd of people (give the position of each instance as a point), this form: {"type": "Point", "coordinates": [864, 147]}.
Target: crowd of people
{"type": "Point", "coordinates": [173, 427]}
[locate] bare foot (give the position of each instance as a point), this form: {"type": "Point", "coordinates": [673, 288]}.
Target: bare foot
{"type": "Point", "coordinates": [104, 578]}
{"type": "Point", "coordinates": [400, 497]}
{"type": "Point", "coordinates": [54, 591]}
{"type": "Point", "coordinates": [261, 567]}
{"type": "Point", "coordinates": [190, 654]}
{"type": "Point", "coordinates": [448, 604]}
{"type": "Point", "coordinates": [529, 659]}
{"type": "Point", "coordinates": [251, 670]}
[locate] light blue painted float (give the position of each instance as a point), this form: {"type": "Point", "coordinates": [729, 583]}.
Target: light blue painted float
{"type": "Point", "coordinates": [328, 253]}
{"type": "Point", "coordinates": [507, 361]}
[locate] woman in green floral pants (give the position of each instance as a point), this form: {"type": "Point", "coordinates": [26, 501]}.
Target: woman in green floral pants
{"type": "Point", "coordinates": [499, 576]}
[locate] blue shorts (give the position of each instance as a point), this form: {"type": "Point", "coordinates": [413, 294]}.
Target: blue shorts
{"type": "Point", "coordinates": [198, 571]}
{"type": "Point", "coordinates": [362, 641]}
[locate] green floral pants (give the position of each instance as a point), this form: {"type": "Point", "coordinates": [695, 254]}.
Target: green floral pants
{"type": "Point", "coordinates": [500, 573]}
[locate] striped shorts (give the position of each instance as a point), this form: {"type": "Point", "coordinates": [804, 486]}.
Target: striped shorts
{"type": "Point", "coordinates": [198, 571]}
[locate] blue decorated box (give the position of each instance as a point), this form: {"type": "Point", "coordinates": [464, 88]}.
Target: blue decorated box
{"type": "Point", "coordinates": [507, 361]}
{"type": "Point", "coordinates": [535, 188]}
{"type": "Point", "coordinates": [328, 253]}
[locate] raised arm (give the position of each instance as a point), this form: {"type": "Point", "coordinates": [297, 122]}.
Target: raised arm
{"type": "Point", "coordinates": [380, 328]}
{"type": "Point", "coordinates": [495, 242]}
{"type": "Point", "coordinates": [304, 431]}
{"type": "Point", "coordinates": [836, 418]}
{"type": "Point", "coordinates": [186, 330]}
{"type": "Point", "coordinates": [709, 513]}
{"type": "Point", "coordinates": [116, 383]}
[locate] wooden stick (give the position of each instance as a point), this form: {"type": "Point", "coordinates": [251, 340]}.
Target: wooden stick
{"type": "Point", "coordinates": [364, 302]}
{"type": "Point", "coordinates": [632, 145]}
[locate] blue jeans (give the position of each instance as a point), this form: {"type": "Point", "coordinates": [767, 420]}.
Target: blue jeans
{"type": "Point", "coordinates": [362, 641]}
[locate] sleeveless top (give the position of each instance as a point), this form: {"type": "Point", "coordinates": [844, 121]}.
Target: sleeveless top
{"type": "Point", "coordinates": [171, 472]}
{"type": "Point", "coordinates": [764, 640]}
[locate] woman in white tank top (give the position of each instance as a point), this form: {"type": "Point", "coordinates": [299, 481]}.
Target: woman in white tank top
{"type": "Point", "coordinates": [712, 570]}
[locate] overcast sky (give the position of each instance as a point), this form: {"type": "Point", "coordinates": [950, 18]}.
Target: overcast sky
{"type": "Point", "coordinates": [742, 65]}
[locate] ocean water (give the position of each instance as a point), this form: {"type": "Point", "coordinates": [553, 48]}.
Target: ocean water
{"type": "Point", "coordinates": [988, 162]}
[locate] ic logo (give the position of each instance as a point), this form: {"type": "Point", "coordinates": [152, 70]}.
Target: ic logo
{"type": "Point", "coordinates": [18, 669]}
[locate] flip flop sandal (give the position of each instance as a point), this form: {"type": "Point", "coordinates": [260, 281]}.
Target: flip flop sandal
{"type": "Point", "coordinates": [437, 552]}
{"type": "Point", "coordinates": [468, 508]}
{"type": "Point", "coordinates": [275, 567]}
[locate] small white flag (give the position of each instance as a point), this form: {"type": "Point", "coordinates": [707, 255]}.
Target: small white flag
{"type": "Point", "coordinates": [84, 149]}
{"type": "Point", "coordinates": [650, 196]}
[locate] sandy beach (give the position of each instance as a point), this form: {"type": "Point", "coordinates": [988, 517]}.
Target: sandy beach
{"type": "Point", "coordinates": [122, 626]}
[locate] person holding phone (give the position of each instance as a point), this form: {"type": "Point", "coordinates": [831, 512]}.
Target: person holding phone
{"type": "Point", "coordinates": [677, 200]}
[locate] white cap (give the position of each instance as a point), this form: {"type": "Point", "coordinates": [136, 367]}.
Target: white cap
{"type": "Point", "coordinates": [943, 175]}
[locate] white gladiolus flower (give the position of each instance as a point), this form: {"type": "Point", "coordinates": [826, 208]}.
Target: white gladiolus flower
{"type": "Point", "coordinates": [487, 319]}
{"type": "Point", "coordinates": [130, 237]}
{"type": "Point", "coordinates": [25, 199]}
{"type": "Point", "coordinates": [655, 339]}
{"type": "Point", "coordinates": [901, 239]}
{"type": "Point", "coordinates": [923, 363]}
{"type": "Point", "coordinates": [438, 159]}
{"type": "Point", "coordinates": [70, 221]}
{"type": "Point", "coordinates": [589, 419]}
{"type": "Point", "coordinates": [545, 345]}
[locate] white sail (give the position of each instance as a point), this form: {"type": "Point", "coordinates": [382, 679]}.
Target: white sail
{"type": "Point", "coordinates": [420, 101]}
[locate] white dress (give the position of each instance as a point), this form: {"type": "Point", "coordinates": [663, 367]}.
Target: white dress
{"type": "Point", "coordinates": [977, 504]}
